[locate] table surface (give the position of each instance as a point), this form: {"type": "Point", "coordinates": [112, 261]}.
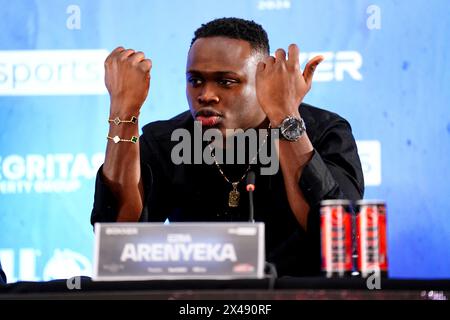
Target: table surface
{"type": "Point", "coordinates": [286, 288]}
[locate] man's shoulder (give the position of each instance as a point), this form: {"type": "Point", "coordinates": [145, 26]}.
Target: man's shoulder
{"type": "Point", "coordinates": [315, 115]}
{"type": "Point", "coordinates": [163, 129]}
{"type": "Point", "coordinates": [320, 121]}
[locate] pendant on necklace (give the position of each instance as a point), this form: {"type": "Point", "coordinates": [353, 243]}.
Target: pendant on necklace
{"type": "Point", "coordinates": [233, 196]}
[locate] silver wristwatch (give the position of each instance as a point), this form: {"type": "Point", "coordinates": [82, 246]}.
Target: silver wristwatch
{"type": "Point", "coordinates": [292, 128]}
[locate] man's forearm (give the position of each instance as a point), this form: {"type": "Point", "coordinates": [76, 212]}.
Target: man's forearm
{"type": "Point", "coordinates": [121, 170]}
{"type": "Point", "coordinates": [294, 156]}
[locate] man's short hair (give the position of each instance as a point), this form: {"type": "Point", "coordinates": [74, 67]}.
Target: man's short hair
{"type": "Point", "coordinates": [235, 28]}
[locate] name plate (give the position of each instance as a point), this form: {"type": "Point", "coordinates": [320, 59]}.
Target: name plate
{"type": "Point", "coordinates": [145, 251]}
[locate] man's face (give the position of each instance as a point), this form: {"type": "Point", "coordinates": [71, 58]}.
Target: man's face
{"type": "Point", "coordinates": [220, 84]}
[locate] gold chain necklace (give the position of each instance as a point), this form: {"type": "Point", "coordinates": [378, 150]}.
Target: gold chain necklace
{"type": "Point", "coordinates": [234, 195]}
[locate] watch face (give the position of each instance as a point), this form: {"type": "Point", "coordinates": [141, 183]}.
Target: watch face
{"type": "Point", "coordinates": [292, 128]}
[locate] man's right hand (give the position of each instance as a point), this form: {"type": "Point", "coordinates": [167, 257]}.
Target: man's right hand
{"type": "Point", "coordinates": [127, 78]}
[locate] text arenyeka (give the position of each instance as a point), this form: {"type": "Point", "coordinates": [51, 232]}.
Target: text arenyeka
{"type": "Point", "coordinates": [161, 252]}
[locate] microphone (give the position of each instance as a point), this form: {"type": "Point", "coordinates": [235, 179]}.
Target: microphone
{"type": "Point", "coordinates": [250, 186]}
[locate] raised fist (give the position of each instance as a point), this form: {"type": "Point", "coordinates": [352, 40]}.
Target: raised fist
{"type": "Point", "coordinates": [127, 78]}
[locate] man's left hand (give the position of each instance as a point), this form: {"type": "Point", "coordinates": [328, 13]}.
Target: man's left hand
{"type": "Point", "coordinates": [280, 84]}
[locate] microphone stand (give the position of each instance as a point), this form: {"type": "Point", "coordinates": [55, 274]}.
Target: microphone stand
{"type": "Point", "coordinates": [250, 188]}
{"type": "Point", "coordinates": [252, 217]}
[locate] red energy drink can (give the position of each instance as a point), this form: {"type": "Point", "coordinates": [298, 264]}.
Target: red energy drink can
{"type": "Point", "coordinates": [336, 237]}
{"type": "Point", "coordinates": [371, 244]}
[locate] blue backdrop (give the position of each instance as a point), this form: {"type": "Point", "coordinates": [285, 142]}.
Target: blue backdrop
{"type": "Point", "coordinates": [387, 70]}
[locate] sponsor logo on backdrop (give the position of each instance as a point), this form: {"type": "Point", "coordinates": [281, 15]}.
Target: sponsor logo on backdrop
{"type": "Point", "coordinates": [52, 72]}
{"type": "Point", "coordinates": [47, 173]}
{"type": "Point", "coordinates": [20, 265]}
{"type": "Point", "coordinates": [336, 66]}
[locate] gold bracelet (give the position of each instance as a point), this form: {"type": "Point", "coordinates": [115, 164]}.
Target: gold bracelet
{"type": "Point", "coordinates": [117, 139]}
{"type": "Point", "coordinates": [117, 120]}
